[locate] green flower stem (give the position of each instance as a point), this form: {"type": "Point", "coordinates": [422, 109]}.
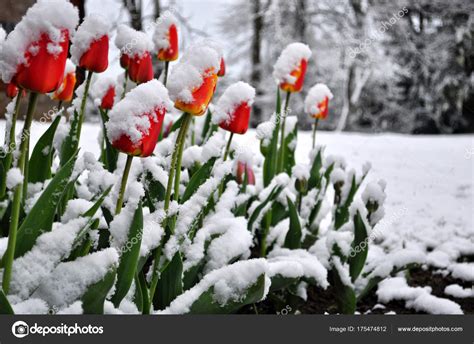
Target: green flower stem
{"type": "Point", "coordinates": [315, 127]}
{"type": "Point", "coordinates": [83, 104]}
{"type": "Point", "coordinates": [226, 154]}
{"type": "Point", "coordinates": [185, 126]}
{"type": "Point", "coordinates": [165, 79]}
{"type": "Point", "coordinates": [281, 158]}
{"type": "Point", "coordinates": [177, 151]}
{"type": "Point", "coordinates": [17, 195]}
{"type": "Point", "coordinates": [10, 148]}
{"type": "Point", "coordinates": [125, 79]}
{"type": "Point", "coordinates": [123, 184]}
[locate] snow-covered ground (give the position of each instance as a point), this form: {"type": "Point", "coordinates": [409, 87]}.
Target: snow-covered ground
{"type": "Point", "coordinates": [430, 191]}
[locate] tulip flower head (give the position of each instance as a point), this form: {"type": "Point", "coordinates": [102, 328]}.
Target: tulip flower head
{"type": "Point", "coordinates": [244, 169]}
{"type": "Point", "coordinates": [290, 68]}
{"type": "Point", "coordinates": [66, 90]}
{"type": "Point", "coordinates": [12, 90]}
{"type": "Point", "coordinates": [218, 48]}
{"type": "Point", "coordinates": [34, 54]}
{"type": "Point", "coordinates": [232, 112]}
{"type": "Point", "coordinates": [317, 101]}
{"type": "Point", "coordinates": [90, 45]}
{"type": "Point", "coordinates": [135, 48]}
{"type": "Point", "coordinates": [193, 80]}
{"type": "Point", "coordinates": [106, 92]}
{"type": "Point", "coordinates": [135, 122]}
{"type": "Point", "coordinates": [165, 37]}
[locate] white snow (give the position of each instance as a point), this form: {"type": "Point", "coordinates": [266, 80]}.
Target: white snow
{"type": "Point", "coordinates": [101, 86]}
{"type": "Point", "coordinates": [70, 279]}
{"type": "Point", "coordinates": [131, 42]}
{"type": "Point", "coordinates": [93, 28]}
{"type": "Point", "coordinates": [44, 17]}
{"type": "Point", "coordinates": [316, 95]}
{"type": "Point", "coordinates": [130, 116]}
{"type": "Point", "coordinates": [289, 60]}
{"type": "Point", "coordinates": [235, 95]}
{"type": "Point", "coordinates": [14, 178]}
{"type": "Point", "coordinates": [457, 291]}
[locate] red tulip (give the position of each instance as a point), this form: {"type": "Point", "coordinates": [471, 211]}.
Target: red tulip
{"type": "Point", "coordinates": [147, 143]}
{"type": "Point", "coordinates": [43, 70]}
{"type": "Point", "coordinates": [171, 52]}
{"type": "Point", "coordinates": [242, 169]}
{"type": "Point", "coordinates": [66, 90]}
{"type": "Point", "coordinates": [299, 74]}
{"type": "Point", "coordinates": [232, 111]}
{"type": "Point", "coordinates": [239, 122]}
{"type": "Point", "coordinates": [201, 96]}
{"type": "Point", "coordinates": [12, 90]}
{"type": "Point", "coordinates": [317, 101]}
{"type": "Point", "coordinates": [141, 68]}
{"type": "Point", "coordinates": [222, 68]}
{"type": "Point", "coordinates": [124, 61]}
{"type": "Point", "coordinates": [108, 99]}
{"type": "Point", "coordinates": [135, 122]}
{"type": "Point", "coordinates": [96, 58]}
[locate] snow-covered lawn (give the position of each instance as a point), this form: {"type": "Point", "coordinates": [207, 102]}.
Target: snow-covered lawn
{"type": "Point", "coordinates": [430, 179]}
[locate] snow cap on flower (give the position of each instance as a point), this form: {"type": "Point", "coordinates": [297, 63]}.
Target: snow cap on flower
{"type": "Point", "coordinates": [193, 80]}
{"type": "Point", "coordinates": [316, 95]}
{"type": "Point", "coordinates": [132, 42]}
{"type": "Point", "coordinates": [130, 116]}
{"type": "Point", "coordinates": [290, 60]}
{"type": "Point", "coordinates": [3, 35]}
{"type": "Point", "coordinates": [93, 28]}
{"type": "Point", "coordinates": [45, 17]}
{"type": "Point", "coordinates": [165, 37]}
{"type": "Point", "coordinates": [102, 86]}
{"type": "Point", "coordinates": [235, 95]}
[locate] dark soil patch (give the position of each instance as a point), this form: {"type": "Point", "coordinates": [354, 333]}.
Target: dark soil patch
{"type": "Point", "coordinates": [324, 301]}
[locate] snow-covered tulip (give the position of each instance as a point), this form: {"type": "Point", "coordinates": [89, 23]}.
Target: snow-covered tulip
{"type": "Point", "coordinates": [90, 45]}
{"type": "Point", "coordinates": [317, 105]}
{"type": "Point", "coordinates": [165, 37]}
{"type": "Point", "coordinates": [232, 111]}
{"type": "Point", "coordinates": [65, 92]}
{"type": "Point", "coordinates": [135, 122]}
{"type": "Point", "coordinates": [11, 90]}
{"type": "Point", "coordinates": [289, 73]}
{"type": "Point", "coordinates": [290, 68]}
{"type": "Point", "coordinates": [135, 49]}
{"type": "Point", "coordinates": [34, 57]}
{"type": "Point", "coordinates": [34, 54]}
{"type": "Point", "coordinates": [193, 80]}
{"type": "Point", "coordinates": [106, 91]}
{"type": "Point", "coordinates": [244, 171]}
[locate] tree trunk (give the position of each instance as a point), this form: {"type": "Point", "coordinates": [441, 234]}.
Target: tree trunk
{"type": "Point", "coordinates": [134, 7]}
{"type": "Point", "coordinates": [256, 75]}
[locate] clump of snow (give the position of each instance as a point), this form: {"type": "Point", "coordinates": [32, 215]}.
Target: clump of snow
{"type": "Point", "coordinates": [75, 208]}
{"type": "Point", "coordinates": [31, 306]}
{"type": "Point", "coordinates": [213, 147]}
{"type": "Point", "coordinates": [44, 17]}
{"type": "Point", "coordinates": [188, 75]}
{"type": "Point", "coordinates": [289, 60]}
{"type": "Point", "coordinates": [464, 271]}
{"type": "Point", "coordinates": [300, 172]}
{"type": "Point", "coordinates": [374, 192]}
{"type": "Point", "coordinates": [459, 292]}
{"type": "Point", "coordinates": [162, 27]}
{"type": "Point", "coordinates": [14, 178]}
{"type": "Point", "coordinates": [229, 283]}
{"type": "Point", "coordinates": [384, 265]}
{"type": "Point", "coordinates": [191, 156]}
{"type": "Point", "coordinates": [316, 95]}
{"type": "Point", "coordinates": [235, 95]}
{"type": "Point", "coordinates": [296, 264]}
{"type": "Point", "coordinates": [93, 28]}
{"type": "Point", "coordinates": [3, 35]}
{"type": "Point", "coordinates": [131, 42]}
{"type": "Point", "coordinates": [434, 305]}
{"type": "Point", "coordinates": [38, 263]}
{"type": "Point", "coordinates": [70, 280]}
{"type": "Point", "coordinates": [265, 130]}
{"type": "Point", "coordinates": [130, 116]}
